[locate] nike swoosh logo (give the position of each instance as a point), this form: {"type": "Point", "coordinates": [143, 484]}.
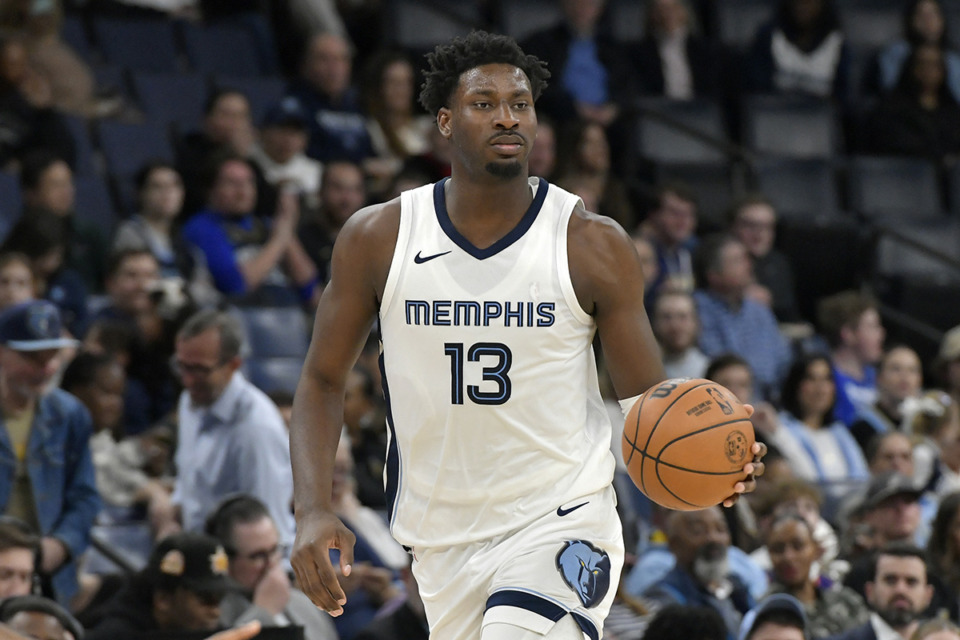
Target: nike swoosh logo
{"type": "Point", "coordinates": [421, 259]}
{"type": "Point", "coordinates": [562, 512]}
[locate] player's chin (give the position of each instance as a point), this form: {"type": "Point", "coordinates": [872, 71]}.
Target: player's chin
{"type": "Point", "coordinates": [505, 168]}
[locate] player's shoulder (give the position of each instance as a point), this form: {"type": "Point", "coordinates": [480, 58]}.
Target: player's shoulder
{"type": "Point", "coordinates": [372, 226]}
{"type": "Point", "coordinates": [595, 235]}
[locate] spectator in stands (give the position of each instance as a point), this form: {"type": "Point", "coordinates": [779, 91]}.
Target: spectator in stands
{"type": "Point", "coordinates": [70, 81]}
{"type": "Point", "coordinates": [243, 526]}
{"type": "Point", "coordinates": [40, 236]}
{"type": "Point", "coordinates": [585, 169]}
{"type": "Point", "coordinates": [39, 617]}
{"type": "Point", "coordinates": [687, 621]}
{"type": "Point", "coordinates": [850, 322]}
{"type": "Point", "coordinates": [947, 363]}
{"type": "Point", "coordinates": [940, 422]}
{"type": "Point", "coordinates": [732, 322]}
{"type": "Point", "coordinates": [677, 329]}
{"type": "Point", "coordinates": [231, 437]}
{"type": "Point", "coordinates": [342, 193]}
{"type": "Point", "coordinates": [943, 548]}
{"type": "Point", "coordinates": [924, 22]}
{"type": "Point", "coordinates": [179, 590]}
{"type": "Point", "coordinates": [407, 619]}
{"type": "Point", "coordinates": [399, 128]}
{"type": "Point", "coordinates": [378, 558]}
{"type": "Point", "coordinates": [732, 372]}
{"type": "Point", "coordinates": [57, 496]}
{"type": "Point", "coordinates": [16, 279]}
{"type": "Point", "coordinates": [29, 122]}
{"type": "Point", "coordinates": [672, 59]}
{"type": "Point", "coordinates": [920, 116]}
{"type": "Point", "coordinates": [819, 447]}
{"type": "Point", "coordinates": [899, 380]}
{"type": "Point", "coordinates": [280, 152]}
{"type": "Point", "coordinates": [699, 540]}
{"type": "Point", "coordinates": [592, 76]}
{"type": "Point", "coordinates": [671, 227]}
{"type": "Point", "coordinates": [801, 51]}
{"type": "Point", "coordinates": [778, 616]}
{"type": "Point", "coordinates": [365, 423]}
{"type": "Point", "coordinates": [47, 184]}
{"type": "Point", "coordinates": [830, 609]}
{"type": "Point", "coordinates": [338, 130]}
{"type": "Point", "coordinates": [125, 466]}
{"type": "Point", "coordinates": [135, 300]}
{"type": "Point", "coordinates": [936, 629]}
{"type": "Point", "coordinates": [890, 451]}
{"type": "Point", "coordinates": [19, 547]}
{"type": "Point", "coordinates": [648, 262]}
{"type": "Point", "coordinates": [227, 128]}
{"type": "Point", "coordinates": [898, 594]}
{"type": "Point", "coordinates": [753, 220]}
{"type": "Point", "coordinates": [542, 160]}
{"type": "Point", "coordinates": [253, 261]}
{"type": "Point", "coordinates": [155, 229]}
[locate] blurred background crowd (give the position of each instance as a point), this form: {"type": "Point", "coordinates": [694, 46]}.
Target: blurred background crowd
{"type": "Point", "coordinates": [173, 175]}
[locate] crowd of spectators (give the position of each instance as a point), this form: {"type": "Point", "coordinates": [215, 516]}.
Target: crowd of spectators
{"type": "Point", "coordinates": [145, 475]}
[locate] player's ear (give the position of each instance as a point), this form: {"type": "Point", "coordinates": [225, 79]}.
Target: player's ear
{"type": "Point", "coordinates": [443, 122]}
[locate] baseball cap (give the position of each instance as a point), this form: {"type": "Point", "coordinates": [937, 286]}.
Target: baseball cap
{"type": "Point", "coordinates": [194, 561]}
{"type": "Point", "coordinates": [886, 485]}
{"type": "Point", "coordinates": [34, 325]}
{"type": "Point", "coordinates": [776, 602]}
{"type": "Point", "coordinates": [287, 112]}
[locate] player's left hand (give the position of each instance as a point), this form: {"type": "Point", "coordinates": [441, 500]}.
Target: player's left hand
{"type": "Point", "coordinates": [753, 469]}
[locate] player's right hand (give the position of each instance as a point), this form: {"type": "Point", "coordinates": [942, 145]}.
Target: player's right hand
{"type": "Point", "coordinates": [316, 535]}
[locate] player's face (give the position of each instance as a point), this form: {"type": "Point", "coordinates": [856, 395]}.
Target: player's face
{"type": "Point", "coordinates": [899, 591]}
{"type": "Point", "coordinates": [792, 552]}
{"type": "Point", "coordinates": [900, 375]}
{"type": "Point", "coordinates": [491, 122]}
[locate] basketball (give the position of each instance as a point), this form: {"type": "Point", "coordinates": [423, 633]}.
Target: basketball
{"type": "Point", "coordinates": [685, 443]}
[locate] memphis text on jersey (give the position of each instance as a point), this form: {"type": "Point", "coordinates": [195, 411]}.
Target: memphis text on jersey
{"type": "Point", "coordinates": [471, 313]}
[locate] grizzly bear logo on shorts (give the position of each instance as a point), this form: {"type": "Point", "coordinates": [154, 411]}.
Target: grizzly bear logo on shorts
{"type": "Point", "coordinates": [585, 569]}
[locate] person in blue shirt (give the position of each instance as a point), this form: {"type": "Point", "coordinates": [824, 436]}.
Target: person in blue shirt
{"type": "Point", "coordinates": [46, 469]}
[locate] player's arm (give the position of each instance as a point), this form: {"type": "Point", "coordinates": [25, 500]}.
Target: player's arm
{"type": "Point", "coordinates": [608, 280]}
{"type": "Point", "coordinates": [347, 309]}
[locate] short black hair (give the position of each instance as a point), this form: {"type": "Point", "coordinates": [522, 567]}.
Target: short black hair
{"type": "Point", "coordinates": [682, 621]}
{"type": "Point", "coordinates": [34, 164]}
{"type": "Point", "coordinates": [900, 550]}
{"type": "Point", "coordinates": [82, 370]}
{"type": "Point", "coordinates": [724, 361]}
{"type": "Point", "coordinates": [145, 171]}
{"type": "Point", "coordinates": [447, 62]}
{"type": "Point", "coordinates": [234, 510]}
{"type": "Point", "coordinates": [779, 617]}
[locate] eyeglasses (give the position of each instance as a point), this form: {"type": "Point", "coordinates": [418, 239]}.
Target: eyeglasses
{"type": "Point", "coordinates": [196, 370]}
{"type": "Point", "coordinates": [263, 556]}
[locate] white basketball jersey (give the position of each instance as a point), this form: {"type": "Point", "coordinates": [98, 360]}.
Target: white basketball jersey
{"type": "Point", "coordinates": [494, 412]}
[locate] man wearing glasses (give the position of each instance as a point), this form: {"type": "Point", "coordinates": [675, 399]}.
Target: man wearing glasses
{"type": "Point", "coordinates": [232, 438]}
{"type": "Point", "coordinates": [243, 526]}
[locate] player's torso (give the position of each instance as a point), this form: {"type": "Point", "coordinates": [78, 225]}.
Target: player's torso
{"type": "Point", "coordinates": [495, 416]}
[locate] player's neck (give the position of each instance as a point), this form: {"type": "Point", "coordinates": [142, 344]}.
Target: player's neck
{"type": "Point", "coordinates": [493, 206]}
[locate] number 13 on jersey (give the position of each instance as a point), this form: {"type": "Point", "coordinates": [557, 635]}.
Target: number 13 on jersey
{"type": "Point", "coordinates": [496, 373]}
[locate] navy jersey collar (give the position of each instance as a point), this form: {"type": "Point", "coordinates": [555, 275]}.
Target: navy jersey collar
{"type": "Point", "coordinates": [440, 204]}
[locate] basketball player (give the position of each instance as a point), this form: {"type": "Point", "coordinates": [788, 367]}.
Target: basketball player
{"type": "Point", "coordinates": [489, 287]}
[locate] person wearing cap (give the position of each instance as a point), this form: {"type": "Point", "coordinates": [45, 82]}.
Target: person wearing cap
{"type": "Point", "coordinates": [39, 617]}
{"type": "Point", "coordinates": [776, 617]}
{"type": "Point", "coordinates": [898, 594]}
{"type": "Point", "coordinates": [280, 151]}
{"type": "Point", "coordinates": [180, 589]}
{"type": "Point", "coordinates": [46, 469]}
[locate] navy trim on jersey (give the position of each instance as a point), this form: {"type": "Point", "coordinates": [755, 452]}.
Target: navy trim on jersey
{"type": "Point", "coordinates": [440, 204]}
{"type": "Point", "coordinates": [393, 451]}
{"type": "Point", "coordinates": [542, 607]}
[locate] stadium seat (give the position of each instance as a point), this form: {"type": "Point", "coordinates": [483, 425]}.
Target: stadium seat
{"type": "Point", "coordinates": [127, 147]}
{"type": "Point", "coordinates": [738, 20]}
{"type": "Point", "coordinates": [74, 33]}
{"type": "Point", "coordinates": [801, 190]}
{"type": "Point", "coordinates": [275, 374]}
{"type": "Point", "coordinates": [521, 19]}
{"type": "Point", "coordinates": [80, 130]}
{"type": "Point", "coordinates": [661, 137]}
{"type": "Point", "coordinates": [627, 20]}
{"type": "Point", "coordinates": [94, 203]}
{"type": "Point", "coordinates": [145, 45]}
{"type": "Point", "coordinates": [953, 190]}
{"type": "Point", "coordinates": [895, 257]}
{"type": "Point", "coordinates": [274, 332]}
{"type": "Point", "coordinates": [174, 98]}
{"type": "Point", "coordinates": [798, 127]}
{"type": "Point", "coordinates": [895, 189]}
{"type": "Point", "coordinates": [419, 26]}
{"type": "Point", "coordinates": [716, 186]}
{"type": "Point", "coordinates": [221, 48]}
{"type": "Point", "coordinates": [262, 92]}
{"type": "Point", "coordinates": [871, 23]}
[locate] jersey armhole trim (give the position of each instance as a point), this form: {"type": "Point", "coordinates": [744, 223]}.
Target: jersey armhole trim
{"type": "Point", "coordinates": [563, 263]}
{"type": "Point", "coordinates": [399, 251]}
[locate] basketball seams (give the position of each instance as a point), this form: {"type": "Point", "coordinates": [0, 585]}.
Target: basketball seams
{"type": "Point", "coordinates": [699, 431]}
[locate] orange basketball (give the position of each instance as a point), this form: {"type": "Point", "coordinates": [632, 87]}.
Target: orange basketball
{"type": "Point", "coordinates": [685, 443]}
